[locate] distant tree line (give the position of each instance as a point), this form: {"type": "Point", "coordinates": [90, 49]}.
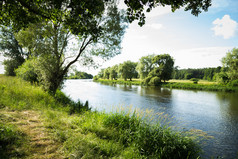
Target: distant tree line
{"type": "Point", "coordinates": [200, 73]}
{"type": "Point", "coordinates": [154, 69]}
{"type": "Point", "coordinates": [79, 75]}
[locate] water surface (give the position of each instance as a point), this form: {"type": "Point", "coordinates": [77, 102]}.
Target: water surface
{"type": "Point", "coordinates": [215, 113]}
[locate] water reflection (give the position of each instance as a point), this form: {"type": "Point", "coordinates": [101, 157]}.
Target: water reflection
{"type": "Point", "coordinates": [213, 112]}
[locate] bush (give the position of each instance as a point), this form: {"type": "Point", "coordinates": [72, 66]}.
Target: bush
{"type": "Point", "coordinates": [233, 83]}
{"type": "Point", "coordinates": [95, 78]}
{"type": "Point", "coordinates": [195, 80]}
{"type": "Point", "coordinates": [155, 81]}
{"type": "Point", "coordinates": [27, 71]}
{"type": "Point", "coordinates": [147, 80]}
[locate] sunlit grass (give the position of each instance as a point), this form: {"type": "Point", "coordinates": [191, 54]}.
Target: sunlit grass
{"type": "Point", "coordinates": [89, 134]}
{"type": "Point", "coordinates": [205, 82]}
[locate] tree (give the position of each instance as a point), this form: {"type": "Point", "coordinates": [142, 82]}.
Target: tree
{"type": "Point", "coordinates": [163, 68]}
{"type": "Point", "coordinates": [230, 62]}
{"type": "Point", "coordinates": [106, 74]}
{"type": "Point", "coordinates": [20, 13]}
{"type": "Point", "coordinates": [144, 66]}
{"type": "Point", "coordinates": [101, 73]}
{"type": "Point", "coordinates": [79, 75]}
{"type": "Point", "coordinates": [49, 42]}
{"type": "Point", "coordinates": [11, 49]}
{"type": "Point", "coordinates": [114, 72]}
{"type": "Point", "coordinates": [136, 8]}
{"type": "Point", "coordinates": [127, 70]}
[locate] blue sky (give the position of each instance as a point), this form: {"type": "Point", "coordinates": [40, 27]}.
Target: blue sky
{"type": "Point", "coordinates": [194, 42]}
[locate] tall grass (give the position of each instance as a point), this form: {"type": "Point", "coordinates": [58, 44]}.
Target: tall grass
{"type": "Point", "coordinates": [90, 134]}
{"type": "Point", "coordinates": [11, 141]}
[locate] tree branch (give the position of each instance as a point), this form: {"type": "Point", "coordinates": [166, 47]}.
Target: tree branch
{"type": "Point", "coordinates": [82, 48]}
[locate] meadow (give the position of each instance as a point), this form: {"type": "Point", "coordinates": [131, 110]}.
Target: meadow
{"type": "Point", "coordinates": [35, 124]}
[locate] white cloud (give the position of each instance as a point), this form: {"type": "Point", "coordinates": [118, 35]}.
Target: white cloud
{"type": "Point", "coordinates": [225, 27]}
{"type": "Point", "coordinates": [154, 26]}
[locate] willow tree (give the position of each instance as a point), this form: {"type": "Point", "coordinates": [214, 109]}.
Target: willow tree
{"type": "Point", "coordinates": [50, 44]}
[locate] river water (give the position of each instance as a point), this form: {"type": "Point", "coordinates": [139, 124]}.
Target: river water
{"type": "Point", "coordinates": [215, 113]}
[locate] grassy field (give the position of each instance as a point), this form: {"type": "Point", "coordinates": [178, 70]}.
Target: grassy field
{"type": "Point", "coordinates": [204, 82]}
{"type": "Point", "coordinates": [35, 125]}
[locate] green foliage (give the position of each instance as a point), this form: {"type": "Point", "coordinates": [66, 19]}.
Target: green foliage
{"type": "Point", "coordinates": [119, 81]}
{"type": "Point", "coordinates": [127, 70]}
{"type": "Point", "coordinates": [136, 9]}
{"type": "Point", "coordinates": [222, 77]}
{"type": "Point", "coordinates": [199, 73]}
{"type": "Point", "coordinates": [210, 87]}
{"type": "Point", "coordinates": [230, 61]}
{"type": "Point", "coordinates": [195, 80]}
{"type": "Point", "coordinates": [27, 71]}
{"type": "Point", "coordinates": [106, 73]}
{"type": "Point", "coordinates": [10, 141]}
{"type": "Point", "coordinates": [98, 30]}
{"type": "Point", "coordinates": [10, 66]}
{"type": "Point", "coordinates": [11, 49]}
{"type": "Point", "coordinates": [154, 81]}
{"type": "Point", "coordinates": [114, 72]}
{"type": "Point", "coordinates": [145, 66]}
{"type": "Point", "coordinates": [152, 141]}
{"type": "Point", "coordinates": [80, 75]}
{"type": "Point", "coordinates": [164, 65]}
{"type": "Point", "coordinates": [91, 134]}
{"type": "Point", "coordinates": [233, 83]}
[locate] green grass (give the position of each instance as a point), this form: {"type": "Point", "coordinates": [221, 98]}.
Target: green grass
{"type": "Point", "coordinates": [120, 81]}
{"type": "Point", "coordinates": [11, 141]}
{"type": "Point", "coordinates": [89, 134]}
{"type": "Point", "coordinates": [206, 87]}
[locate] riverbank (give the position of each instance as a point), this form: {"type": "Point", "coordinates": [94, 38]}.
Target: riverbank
{"type": "Point", "coordinates": [178, 84]}
{"type": "Point", "coordinates": [32, 122]}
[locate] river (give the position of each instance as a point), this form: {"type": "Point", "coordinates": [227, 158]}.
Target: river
{"type": "Point", "coordinates": [215, 113]}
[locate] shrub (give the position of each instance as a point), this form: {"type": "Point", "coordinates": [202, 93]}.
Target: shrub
{"type": "Point", "coordinates": [27, 71]}
{"type": "Point", "coordinates": [234, 83]}
{"type": "Point", "coordinates": [147, 80]}
{"type": "Point", "coordinates": [195, 80]}
{"type": "Point", "coordinates": [155, 81]}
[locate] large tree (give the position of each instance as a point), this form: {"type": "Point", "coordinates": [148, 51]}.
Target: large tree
{"type": "Point", "coordinates": [163, 68]}
{"type": "Point", "coordinates": [50, 43]}
{"type": "Point", "coordinates": [127, 70]}
{"type": "Point", "coordinates": [144, 66]}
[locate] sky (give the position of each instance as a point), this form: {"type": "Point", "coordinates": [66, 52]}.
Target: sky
{"type": "Point", "coordinates": [194, 42]}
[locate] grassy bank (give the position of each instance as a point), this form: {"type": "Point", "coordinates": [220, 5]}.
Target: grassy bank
{"type": "Point", "coordinates": [37, 125]}
{"type": "Point", "coordinates": [179, 84]}
{"type": "Point", "coordinates": [205, 87]}
{"type": "Point", "coordinates": [120, 81]}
